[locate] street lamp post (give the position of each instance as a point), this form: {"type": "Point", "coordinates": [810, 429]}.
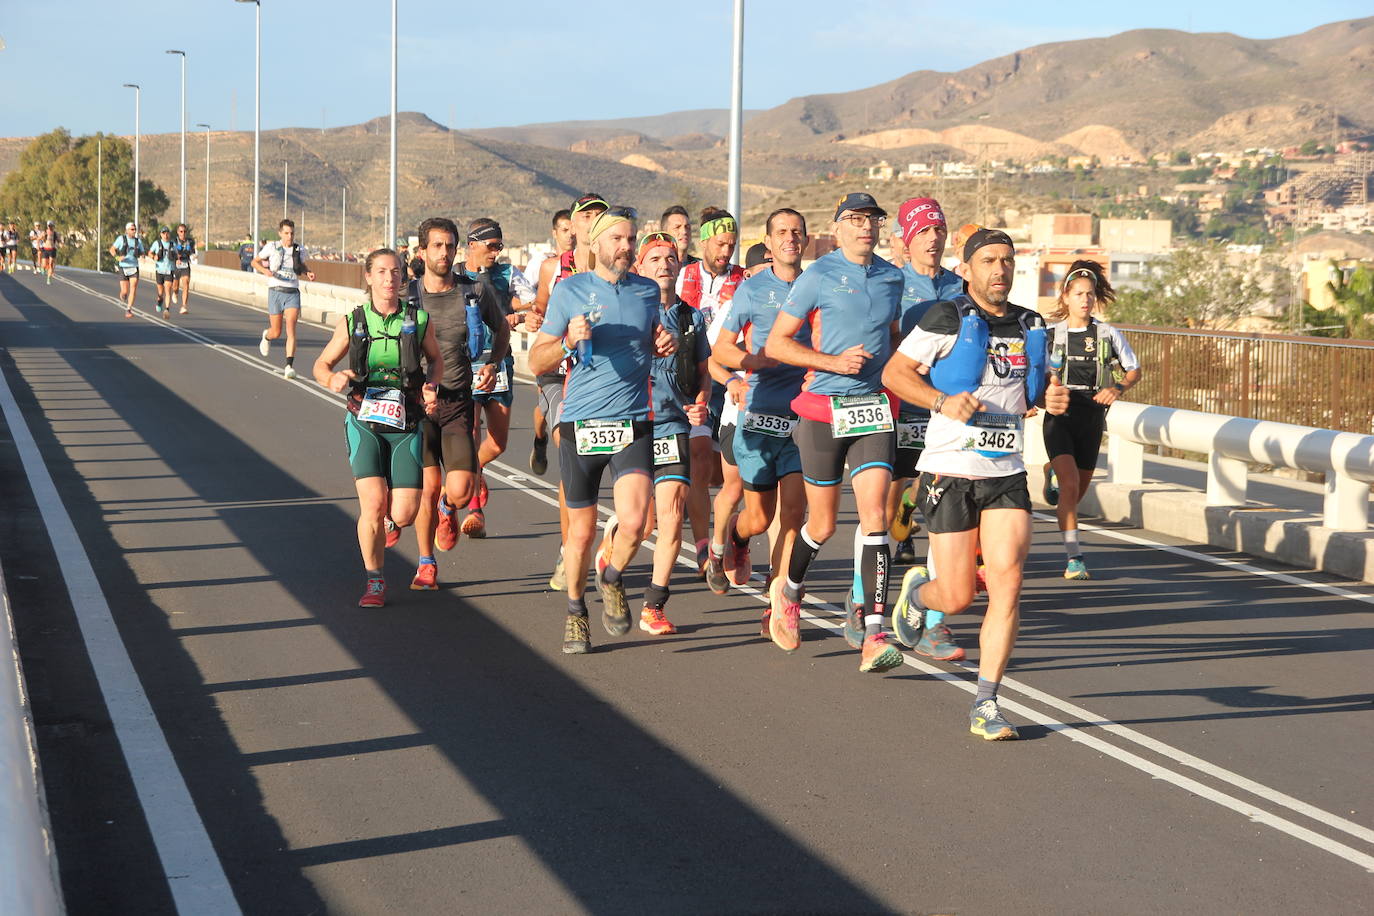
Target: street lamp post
{"type": "Point", "coordinates": [391, 209]}
{"type": "Point", "coordinates": [285, 187]}
{"type": "Point", "coordinates": [736, 115]}
{"type": "Point", "coordinates": [138, 102]}
{"type": "Point", "coordinates": [257, 114]}
{"type": "Point", "coordinates": [343, 227]}
{"type": "Point", "coordinates": [182, 55]}
{"type": "Point", "coordinates": [205, 224]}
{"type": "Point", "coordinates": [99, 197]}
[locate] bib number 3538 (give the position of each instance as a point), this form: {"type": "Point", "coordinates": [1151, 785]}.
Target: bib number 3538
{"type": "Point", "coordinates": [860, 415]}
{"type": "Point", "coordinates": [602, 437]}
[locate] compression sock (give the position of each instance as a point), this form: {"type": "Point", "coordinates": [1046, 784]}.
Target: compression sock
{"type": "Point", "coordinates": [656, 596]}
{"type": "Point", "coordinates": [858, 585]}
{"type": "Point", "coordinates": [427, 560]}
{"type": "Point", "coordinates": [577, 607]}
{"type": "Point", "coordinates": [804, 550]}
{"type": "Point", "coordinates": [611, 575]}
{"type": "Point", "coordinates": [987, 690]}
{"type": "Point", "coordinates": [934, 618]}
{"type": "Point", "coordinates": [1071, 543]}
{"type": "Point", "coordinates": [873, 572]}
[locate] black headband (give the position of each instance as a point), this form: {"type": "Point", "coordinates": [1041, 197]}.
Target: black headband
{"type": "Point", "coordinates": [492, 231]}
{"type": "Point", "coordinates": [986, 237]}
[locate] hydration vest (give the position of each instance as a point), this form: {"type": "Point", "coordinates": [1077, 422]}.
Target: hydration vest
{"type": "Point", "coordinates": [687, 378]}
{"type": "Point", "coordinates": [567, 266]}
{"type": "Point", "coordinates": [1105, 356]}
{"type": "Point", "coordinates": [962, 370]}
{"type": "Point", "coordinates": [412, 376]}
{"type": "Point", "coordinates": [691, 284]}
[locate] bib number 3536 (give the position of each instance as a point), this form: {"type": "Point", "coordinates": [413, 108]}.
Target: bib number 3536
{"type": "Point", "coordinates": [602, 437]}
{"type": "Point", "coordinates": [860, 415]}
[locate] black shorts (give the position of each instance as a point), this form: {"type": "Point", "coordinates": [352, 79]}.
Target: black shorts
{"type": "Point", "coordinates": [679, 471]}
{"type": "Point", "coordinates": [823, 456]}
{"type": "Point", "coordinates": [182, 271]}
{"type": "Point", "coordinates": [1078, 432]}
{"type": "Point", "coordinates": [164, 278]}
{"type": "Point", "coordinates": [582, 473]}
{"type": "Point", "coordinates": [47, 254]}
{"type": "Point", "coordinates": [953, 504]}
{"type": "Point", "coordinates": [449, 442]}
{"type": "Point", "coordinates": [726, 435]}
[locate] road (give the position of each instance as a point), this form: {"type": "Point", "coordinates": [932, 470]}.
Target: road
{"type": "Point", "coordinates": [1196, 734]}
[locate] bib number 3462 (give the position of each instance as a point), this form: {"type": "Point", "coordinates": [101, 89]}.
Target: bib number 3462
{"type": "Point", "coordinates": [995, 435]}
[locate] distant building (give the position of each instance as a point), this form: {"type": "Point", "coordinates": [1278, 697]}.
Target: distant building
{"type": "Point", "coordinates": [880, 172]}
{"type": "Point", "coordinates": [958, 170]}
{"type": "Point", "coordinates": [1062, 230]}
{"type": "Point", "coordinates": [919, 170]}
{"type": "Point", "coordinates": [1136, 235]}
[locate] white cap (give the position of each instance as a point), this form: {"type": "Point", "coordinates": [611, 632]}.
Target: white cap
{"type": "Point", "coordinates": [130, 226]}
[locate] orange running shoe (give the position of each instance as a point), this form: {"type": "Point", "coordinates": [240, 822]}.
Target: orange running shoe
{"type": "Point", "coordinates": [736, 560]}
{"type": "Point", "coordinates": [652, 620]}
{"type": "Point", "coordinates": [393, 533]}
{"type": "Point", "coordinates": [446, 529]}
{"type": "Point", "coordinates": [475, 525]}
{"type": "Point", "coordinates": [426, 578]}
{"type": "Point", "coordinates": [879, 655]}
{"type": "Point", "coordinates": [374, 595]}
{"type": "Point", "coordinates": [784, 619]}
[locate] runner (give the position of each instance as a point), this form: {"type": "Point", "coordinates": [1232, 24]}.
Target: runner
{"type": "Point", "coordinates": [924, 231]}
{"type": "Point", "coordinates": [563, 240]}
{"type": "Point", "coordinates": [851, 299]}
{"type": "Point", "coordinates": [283, 263]}
{"type": "Point", "coordinates": [450, 470]}
{"type": "Point", "coordinates": [706, 285]}
{"type": "Point", "coordinates": [609, 316]}
{"type": "Point", "coordinates": [987, 364]}
{"type": "Point", "coordinates": [388, 396]}
{"type": "Point", "coordinates": [185, 248]}
{"type": "Point", "coordinates": [681, 384]}
{"type": "Point", "coordinates": [126, 250]}
{"type": "Point", "coordinates": [579, 259]}
{"type": "Point", "coordinates": [767, 456]}
{"type": "Point", "coordinates": [10, 236]}
{"type": "Point", "coordinates": [677, 222]}
{"type": "Point", "coordinates": [164, 266]}
{"type": "Point", "coordinates": [47, 249]}
{"type": "Point", "coordinates": [1086, 352]}
{"type": "Point", "coordinates": [36, 243]}
{"type": "Point", "coordinates": [484, 245]}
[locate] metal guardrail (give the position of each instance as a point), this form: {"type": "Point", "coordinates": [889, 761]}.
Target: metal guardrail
{"type": "Point", "coordinates": [28, 862]}
{"type": "Point", "coordinates": [1233, 443]}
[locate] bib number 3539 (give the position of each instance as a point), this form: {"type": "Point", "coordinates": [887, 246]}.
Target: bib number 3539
{"type": "Point", "coordinates": [860, 415]}
{"type": "Point", "coordinates": [602, 437]}
{"type": "Point", "coordinates": [995, 435]}
{"type": "Point", "coordinates": [384, 406]}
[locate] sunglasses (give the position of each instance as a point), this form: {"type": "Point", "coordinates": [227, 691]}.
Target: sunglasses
{"type": "Point", "coordinates": [659, 236]}
{"type": "Point", "coordinates": [494, 245]}
{"type": "Point", "coordinates": [626, 212]}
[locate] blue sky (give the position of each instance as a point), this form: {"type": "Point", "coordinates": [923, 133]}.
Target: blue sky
{"type": "Point", "coordinates": [327, 61]}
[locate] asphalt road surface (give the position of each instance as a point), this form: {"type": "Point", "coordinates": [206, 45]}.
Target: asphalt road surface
{"type": "Point", "coordinates": [222, 728]}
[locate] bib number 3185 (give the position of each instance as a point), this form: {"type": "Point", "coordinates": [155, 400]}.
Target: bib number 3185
{"type": "Point", "coordinates": [384, 406]}
{"type": "Point", "coordinates": [602, 437]}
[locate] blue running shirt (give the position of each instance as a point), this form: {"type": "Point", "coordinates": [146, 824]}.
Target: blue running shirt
{"type": "Point", "coordinates": [921, 291]}
{"type": "Point", "coordinates": [752, 312]}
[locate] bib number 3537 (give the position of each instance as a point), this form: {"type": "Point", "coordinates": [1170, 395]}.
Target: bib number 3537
{"type": "Point", "coordinates": [860, 415]}
{"type": "Point", "coordinates": [602, 437]}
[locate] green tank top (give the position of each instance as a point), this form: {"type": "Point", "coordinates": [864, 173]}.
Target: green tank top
{"type": "Point", "coordinates": [384, 350]}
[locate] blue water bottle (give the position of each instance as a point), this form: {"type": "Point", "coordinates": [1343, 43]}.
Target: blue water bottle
{"type": "Point", "coordinates": [408, 323]}
{"type": "Point", "coordinates": [474, 318]}
{"type": "Point", "coordinates": [584, 347]}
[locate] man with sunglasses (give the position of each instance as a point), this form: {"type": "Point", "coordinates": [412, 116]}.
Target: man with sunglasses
{"type": "Point", "coordinates": [851, 299]}
{"type": "Point", "coordinates": [612, 316]}
{"type": "Point", "coordinates": [485, 244]}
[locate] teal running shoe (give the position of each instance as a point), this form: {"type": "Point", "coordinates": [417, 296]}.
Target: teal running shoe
{"type": "Point", "coordinates": [908, 617]}
{"type": "Point", "coordinates": [1076, 569]}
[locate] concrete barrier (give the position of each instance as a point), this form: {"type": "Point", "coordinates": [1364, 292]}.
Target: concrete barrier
{"type": "Point", "coordinates": [28, 862]}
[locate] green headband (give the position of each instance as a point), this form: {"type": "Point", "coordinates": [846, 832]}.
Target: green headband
{"type": "Point", "coordinates": [717, 226]}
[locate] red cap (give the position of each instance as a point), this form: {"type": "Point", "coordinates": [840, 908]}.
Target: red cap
{"type": "Point", "coordinates": [916, 214]}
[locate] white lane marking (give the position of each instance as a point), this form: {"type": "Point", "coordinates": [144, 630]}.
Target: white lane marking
{"type": "Point", "coordinates": [1074, 732]}
{"type": "Point", "coordinates": [193, 870]}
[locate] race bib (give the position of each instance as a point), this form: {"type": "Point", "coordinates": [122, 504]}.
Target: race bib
{"type": "Point", "coordinates": [502, 381]}
{"type": "Point", "coordinates": [129, 270]}
{"type": "Point", "coordinates": [860, 415]}
{"type": "Point", "coordinates": [911, 433]}
{"type": "Point", "coordinates": [769, 425]}
{"type": "Point", "coordinates": [666, 451]}
{"type": "Point", "coordinates": [602, 437]}
{"type": "Point", "coordinates": [995, 435]}
{"type": "Point", "coordinates": [384, 406]}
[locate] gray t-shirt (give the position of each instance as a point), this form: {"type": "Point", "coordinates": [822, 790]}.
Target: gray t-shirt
{"type": "Point", "coordinates": [448, 317]}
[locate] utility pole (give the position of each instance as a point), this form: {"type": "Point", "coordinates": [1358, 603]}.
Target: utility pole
{"type": "Point", "coordinates": [736, 116]}
{"type": "Point", "coordinates": [99, 199]}
{"type": "Point", "coordinates": [138, 101]}
{"type": "Point", "coordinates": [182, 54]}
{"type": "Point", "coordinates": [205, 225]}
{"type": "Point", "coordinates": [285, 187]}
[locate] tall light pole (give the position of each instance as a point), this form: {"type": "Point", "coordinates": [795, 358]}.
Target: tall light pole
{"type": "Point", "coordinates": [138, 102]}
{"type": "Point", "coordinates": [182, 54]}
{"type": "Point", "coordinates": [343, 228]}
{"type": "Point", "coordinates": [205, 224]}
{"type": "Point", "coordinates": [99, 197]}
{"type": "Point", "coordinates": [736, 115]}
{"type": "Point", "coordinates": [285, 187]}
{"type": "Point", "coordinates": [257, 115]}
{"type": "Point", "coordinates": [391, 208]}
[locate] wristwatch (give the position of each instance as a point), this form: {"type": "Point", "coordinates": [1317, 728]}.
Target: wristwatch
{"type": "Point", "coordinates": [1121, 389]}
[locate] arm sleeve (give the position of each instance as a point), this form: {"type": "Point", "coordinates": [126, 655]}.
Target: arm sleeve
{"type": "Point", "coordinates": [934, 335]}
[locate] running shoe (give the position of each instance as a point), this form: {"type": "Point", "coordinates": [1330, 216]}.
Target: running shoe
{"type": "Point", "coordinates": [703, 554]}
{"type": "Point", "coordinates": [374, 595]}
{"type": "Point", "coordinates": [426, 578]}
{"type": "Point", "coordinates": [1076, 569]}
{"type": "Point", "coordinates": [174, 298]}
{"type": "Point", "coordinates": [184, 311]}
{"type": "Point", "coordinates": [987, 722]}
{"type": "Point", "coordinates": [784, 625]}
{"type": "Point", "coordinates": [901, 522]}
{"type": "Point", "coordinates": [483, 494]}
{"type": "Point", "coordinates": [264, 345]}
{"type": "Point", "coordinates": [158, 307]}
{"type": "Point", "coordinates": [393, 533]}
{"type": "Point", "coordinates": [908, 617]}
{"type": "Point", "coordinates": [475, 525]}
{"type": "Point", "coordinates": [716, 579]}
{"type": "Point", "coordinates": [736, 560]}
{"type": "Point", "coordinates": [938, 643]}
{"type": "Point", "coordinates": [289, 373]}
{"type": "Point", "coordinates": [980, 580]}
{"type": "Point", "coordinates": [445, 529]}
{"type": "Point", "coordinates": [539, 455]}
{"type": "Point", "coordinates": [653, 620]}
{"type": "Point", "coordinates": [559, 580]}
{"type": "Point", "coordinates": [906, 552]}
{"type": "Point", "coordinates": [128, 313]}
{"type": "Point", "coordinates": [1051, 490]}
{"type": "Point", "coordinates": [577, 636]}
{"type": "Point", "coordinates": [879, 655]}
{"type": "Point", "coordinates": [615, 610]}
{"type": "Point", "coordinates": [853, 622]}
{"type": "Point", "coordinates": [764, 626]}
{"type": "Point", "coordinates": [50, 279]}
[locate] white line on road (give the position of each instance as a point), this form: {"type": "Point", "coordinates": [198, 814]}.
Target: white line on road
{"type": "Point", "coordinates": [1086, 718]}
{"type": "Point", "coordinates": [192, 869]}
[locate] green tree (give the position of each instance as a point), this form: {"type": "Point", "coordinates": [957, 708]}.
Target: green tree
{"type": "Point", "coordinates": [1308, 148]}
{"type": "Point", "coordinates": [1353, 311]}
{"type": "Point", "coordinates": [1183, 157]}
{"type": "Point", "coordinates": [56, 180]}
{"type": "Point", "coordinates": [1196, 286]}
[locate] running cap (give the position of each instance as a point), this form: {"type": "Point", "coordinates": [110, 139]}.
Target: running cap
{"type": "Point", "coordinates": [127, 226]}
{"type": "Point", "coordinates": [51, 223]}
{"type": "Point", "coordinates": [756, 255]}
{"type": "Point", "coordinates": [655, 240]}
{"type": "Point", "coordinates": [713, 227]}
{"type": "Point", "coordinates": [984, 237]}
{"type": "Point", "coordinates": [858, 201]}
{"type": "Point", "coordinates": [589, 200]}
{"type": "Point", "coordinates": [484, 233]}
{"type": "Point", "coordinates": [166, 229]}
{"type": "Point", "coordinates": [608, 218]}
{"type": "Point", "coordinates": [917, 214]}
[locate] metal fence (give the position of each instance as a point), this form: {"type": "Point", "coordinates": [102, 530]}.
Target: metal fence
{"type": "Point", "coordinates": [1308, 381]}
